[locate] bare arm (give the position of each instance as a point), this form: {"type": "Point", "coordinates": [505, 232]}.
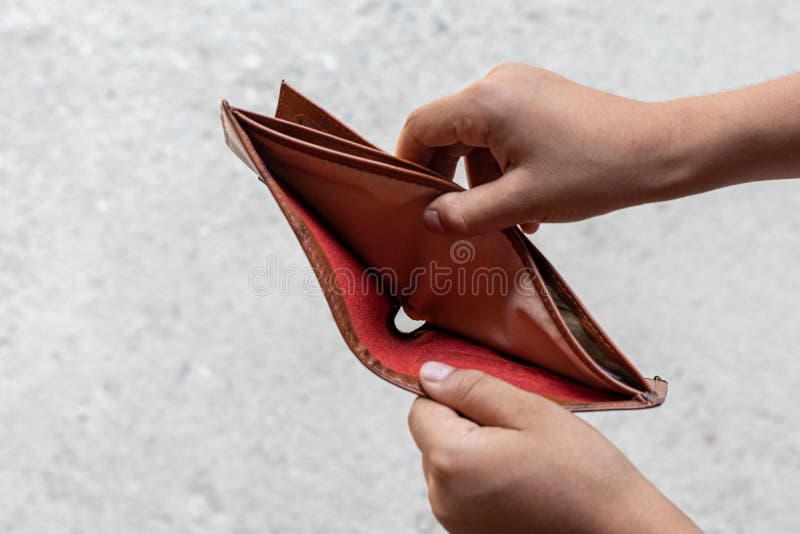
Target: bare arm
{"type": "Point", "coordinates": [541, 148]}
{"type": "Point", "coordinates": [498, 459]}
{"type": "Point", "coordinates": [734, 137]}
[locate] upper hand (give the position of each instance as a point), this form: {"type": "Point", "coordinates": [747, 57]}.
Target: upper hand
{"type": "Point", "coordinates": [539, 148]}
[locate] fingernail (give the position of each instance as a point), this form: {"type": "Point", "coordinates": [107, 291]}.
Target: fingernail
{"type": "Point", "coordinates": [435, 371]}
{"type": "Point", "coordinates": [432, 222]}
{"type": "Point", "coordinates": [529, 227]}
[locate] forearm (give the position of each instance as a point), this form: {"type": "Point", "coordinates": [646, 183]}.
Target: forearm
{"type": "Point", "coordinates": [645, 509]}
{"type": "Point", "coordinates": [728, 138]}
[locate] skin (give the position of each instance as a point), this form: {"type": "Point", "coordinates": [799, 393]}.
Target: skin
{"type": "Point", "coordinates": [500, 460]}
{"type": "Point", "coordinates": [540, 149]}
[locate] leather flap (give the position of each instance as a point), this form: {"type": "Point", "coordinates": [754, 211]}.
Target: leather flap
{"type": "Point", "coordinates": [301, 144]}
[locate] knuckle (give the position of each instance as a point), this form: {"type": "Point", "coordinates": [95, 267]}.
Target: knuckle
{"type": "Point", "coordinates": [484, 93]}
{"type": "Point", "coordinates": [442, 463]}
{"type": "Point", "coordinates": [490, 99]}
{"type": "Point", "coordinates": [453, 213]}
{"type": "Point", "coordinates": [464, 127]}
{"type": "Point", "coordinates": [447, 464]}
{"type": "Point", "coordinates": [412, 119]}
{"type": "Point", "coordinates": [504, 66]}
{"type": "Point", "coordinates": [481, 93]}
{"type": "Point", "coordinates": [440, 505]}
{"type": "Point", "coordinates": [470, 386]}
{"type": "Point", "coordinates": [470, 124]}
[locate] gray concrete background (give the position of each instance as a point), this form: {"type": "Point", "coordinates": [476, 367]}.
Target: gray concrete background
{"type": "Point", "coordinates": [145, 388]}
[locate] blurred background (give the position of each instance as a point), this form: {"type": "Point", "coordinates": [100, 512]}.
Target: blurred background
{"type": "Point", "coordinates": [144, 387]}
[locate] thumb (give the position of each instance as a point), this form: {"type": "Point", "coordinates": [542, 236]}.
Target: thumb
{"type": "Point", "coordinates": [494, 205]}
{"type": "Point", "coordinates": [486, 400]}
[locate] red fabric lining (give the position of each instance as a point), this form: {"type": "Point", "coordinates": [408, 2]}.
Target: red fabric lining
{"type": "Point", "coordinates": [368, 310]}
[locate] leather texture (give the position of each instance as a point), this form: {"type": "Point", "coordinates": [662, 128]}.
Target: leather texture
{"type": "Point", "coordinates": [491, 302]}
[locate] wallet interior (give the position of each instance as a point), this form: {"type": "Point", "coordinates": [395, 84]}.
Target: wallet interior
{"type": "Point", "coordinates": [355, 208]}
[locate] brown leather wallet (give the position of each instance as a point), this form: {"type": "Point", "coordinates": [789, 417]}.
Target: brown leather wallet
{"type": "Point", "coordinates": [490, 302]}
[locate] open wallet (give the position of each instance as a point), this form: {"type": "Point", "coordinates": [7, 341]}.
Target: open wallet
{"type": "Point", "coordinates": [491, 302]}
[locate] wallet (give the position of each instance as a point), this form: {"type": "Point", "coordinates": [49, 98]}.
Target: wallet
{"type": "Point", "coordinates": [490, 302]}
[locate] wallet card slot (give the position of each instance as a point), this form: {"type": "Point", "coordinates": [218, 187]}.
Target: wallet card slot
{"type": "Point", "coordinates": [596, 345]}
{"type": "Point", "coordinates": [397, 359]}
{"type": "Point", "coordinates": [339, 151]}
{"type": "Point", "coordinates": [295, 107]}
{"type": "Point", "coordinates": [329, 141]}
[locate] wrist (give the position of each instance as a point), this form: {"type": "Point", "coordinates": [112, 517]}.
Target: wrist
{"type": "Point", "coordinates": [715, 141]}
{"type": "Point", "coordinates": [688, 142]}
{"type": "Point", "coordinates": [641, 508]}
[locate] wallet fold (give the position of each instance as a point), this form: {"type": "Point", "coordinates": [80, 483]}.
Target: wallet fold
{"type": "Point", "coordinates": [491, 302]}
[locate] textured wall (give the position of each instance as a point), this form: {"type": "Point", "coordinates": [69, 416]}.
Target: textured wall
{"type": "Point", "coordinates": [145, 388]}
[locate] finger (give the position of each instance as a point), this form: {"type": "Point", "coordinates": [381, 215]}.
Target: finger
{"type": "Point", "coordinates": [482, 167]}
{"type": "Point", "coordinates": [529, 227]}
{"type": "Point", "coordinates": [432, 423]}
{"type": "Point", "coordinates": [443, 122]}
{"type": "Point", "coordinates": [495, 205]}
{"type": "Point", "coordinates": [445, 159]}
{"type": "Point", "coordinates": [486, 400]}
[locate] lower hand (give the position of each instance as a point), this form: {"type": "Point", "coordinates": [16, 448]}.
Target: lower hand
{"type": "Point", "coordinates": [497, 459]}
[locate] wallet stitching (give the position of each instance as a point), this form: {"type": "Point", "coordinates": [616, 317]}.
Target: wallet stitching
{"type": "Point", "coordinates": [305, 105]}
{"type": "Point", "coordinates": [299, 118]}
{"type": "Point", "coordinates": [424, 182]}
{"type": "Point", "coordinates": [303, 102]}
{"type": "Point", "coordinates": [316, 256]}
{"type": "Point", "coordinates": [385, 158]}
{"type": "Point", "coordinates": [586, 321]}
{"type": "Point", "coordinates": [584, 318]}
{"type": "Point", "coordinates": [571, 342]}
{"type": "Point", "coordinates": [349, 163]}
{"type": "Point", "coordinates": [339, 309]}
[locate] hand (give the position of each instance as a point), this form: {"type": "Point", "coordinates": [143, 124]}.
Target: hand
{"type": "Point", "coordinates": [516, 462]}
{"type": "Point", "coordinates": [540, 148]}
{"type": "Point", "coordinates": [565, 152]}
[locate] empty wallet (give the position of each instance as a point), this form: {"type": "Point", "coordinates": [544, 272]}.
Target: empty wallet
{"type": "Point", "coordinates": [491, 302]}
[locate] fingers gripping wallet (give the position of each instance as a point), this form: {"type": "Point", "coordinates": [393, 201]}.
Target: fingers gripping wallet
{"type": "Point", "coordinates": [491, 302]}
